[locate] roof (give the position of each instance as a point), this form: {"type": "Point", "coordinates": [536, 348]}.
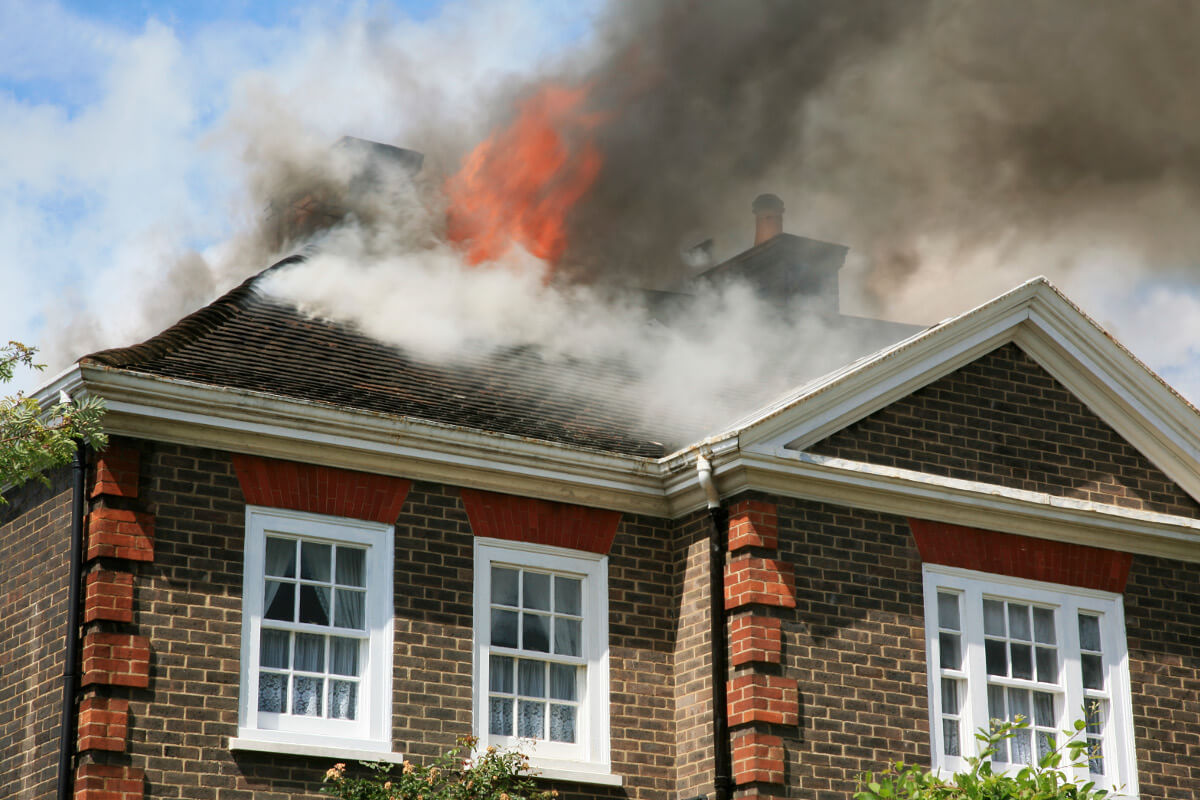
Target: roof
{"type": "Point", "coordinates": [246, 340]}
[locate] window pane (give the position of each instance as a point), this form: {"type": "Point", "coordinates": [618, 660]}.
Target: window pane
{"type": "Point", "coordinates": [500, 716]}
{"type": "Point", "coordinates": [1018, 704]}
{"type": "Point", "coordinates": [1043, 709]}
{"type": "Point", "coordinates": [343, 655]}
{"type": "Point", "coordinates": [950, 736]}
{"type": "Point", "coordinates": [350, 611]}
{"type": "Point", "coordinates": [997, 657]}
{"type": "Point", "coordinates": [281, 557]}
{"type": "Point", "coordinates": [343, 699]}
{"type": "Point", "coordinates": [536, 591]}
{"type": "Point", "coordinates": [566, 636]}
{"type": "Point", "coordinates": [948, 611]}
{"type": "Point", "coordinates": [500, 674]}
{"type": "Point", "coordinates": [1045, 744]}
{"type": "Point", "coordinates": [314, 561]}
{"type": "Point", "coordinates": [996, 702]}
{"type": "Point", "coordinates": [993, 617]}
{"type": "Point", "coordinates": [273, 649]}
{"type": "Point", "coordinates": [1094, 716]}
{"type": "Point", "coordinates": [504, 628]}
{"type": "Point", "coordinates": [531, 720]}
{"type": "Point", "coordinates": [306, 697]}
{"type": "Point", "coordinates": [1095, 757]}
{"type": "Point", "coordinates": [1043, 625]}
{"type": "Point", "coordinates": [949, 696]}
{"type": "Point", "coordinates": [535, 633]}
{"type": "Point", "coordinates": [1022, 661]}
{"type": "Point", "coordinates": [1093, 671]}
{"type": "Point", "coordinates": [567, 595]}
{"type": "Point", "coordinates": [1089, 632]}
{"type": "Point", "coordinates": [951, 654]}
{"type": "Point", "coordinates": [280, 601]}
{"type": "Point", "coordinates": [504, 587]}
{"type": "Point", "coordinates": [562, 723]}
{"type": "Point", "coordinates": [1047, 665]}
{"type": "Point", "coordinates": [272, 689]}
{"type": "Point", "coordinates": [1018, 621]}
{"type": "Point", "coordinates": [310, 652]}
{"type": "Point", "coordinates": [1022, 751]}
{"type": "Point", "coordinates": [314, 604]}
{"type": "Point", "coordinates": [562, 682]}
{"type": "Point", "coordinates": [531, 678]}
{"type": "Point", "coordinates": [351, 566]}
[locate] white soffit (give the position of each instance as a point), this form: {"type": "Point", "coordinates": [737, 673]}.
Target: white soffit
{"type": "Point", "coordinates": [1035, 316]}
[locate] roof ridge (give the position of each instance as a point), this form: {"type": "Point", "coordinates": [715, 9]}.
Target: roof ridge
{"type": "Point", "coordinates": [189, 328]}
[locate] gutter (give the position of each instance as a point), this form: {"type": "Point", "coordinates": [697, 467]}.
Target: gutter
{"type": "Point", "coordinates": [718, 538]}
{"type": "Point", "coordinates": [70, 675]}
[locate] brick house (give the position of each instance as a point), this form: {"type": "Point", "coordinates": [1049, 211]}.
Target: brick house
{"type": "Point", "coordinates": [304, 547]}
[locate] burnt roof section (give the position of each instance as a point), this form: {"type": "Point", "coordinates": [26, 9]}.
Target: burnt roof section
{"type": "Point", "coordinates": [245, 340]}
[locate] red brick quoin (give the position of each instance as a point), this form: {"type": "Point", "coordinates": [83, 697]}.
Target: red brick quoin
{"type": "Point", "coordinates": [1021, 556]}
{"type": "Point", "coordinates": [117, 470]}
{"type": "Point", "coordinates": [114, 533]}
{"type": "Point", "coordinates": [103, 724]}
{"type": "Point", "coordinates": [116, 659]}
{"type": "Point", "coordinates": [108, 782]}
{"type": "Point", "coordinates": [755, 639]}
{"type": "Point", "coordinates": [320, 490]}
{"type": "Point", "coordinates": [753, 523]}
{"type": "Point", "coordinates": [766, 581]}
{"type": "Point", "coordinates": [763, 698]}
{"type": "Point", "coordinates": [108, 596]}
{"type": "Point", "coordinates": [526, 519]}
{"type": "Point", "coordinates": [757, 758]}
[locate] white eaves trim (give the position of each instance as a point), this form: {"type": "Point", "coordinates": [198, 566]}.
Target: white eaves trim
{"type": "Point", "coordinates": [198, 414]}
{"type": "Point", "coordinates": [970, 503]}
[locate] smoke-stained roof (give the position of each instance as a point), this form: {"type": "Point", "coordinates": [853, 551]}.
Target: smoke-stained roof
{"type": "Point", "coordinates": [246, 340]}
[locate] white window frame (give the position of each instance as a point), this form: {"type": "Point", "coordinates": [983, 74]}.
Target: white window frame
{"type": "Point", "coordinates": [369, 736]}
{"type": "Point", "coordinates": [588, 760]}
{"type": "Point", "coordinates": [1068, 601]}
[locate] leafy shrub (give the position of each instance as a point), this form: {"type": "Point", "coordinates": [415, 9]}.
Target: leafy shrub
{"type": "Point", "coordinates": [463, 773]}
{"type": "Point", "coordinates": [1047, 780]}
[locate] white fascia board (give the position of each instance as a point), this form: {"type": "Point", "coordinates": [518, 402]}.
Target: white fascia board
{"type": "Point", "coordinates": [1119, 388]}
{"type": "Point", "coordinates": [980, 505]}
{"type": "Point", "coordinates": [882, 382]}
{"type": "Point", "coordinates": [249, 422]}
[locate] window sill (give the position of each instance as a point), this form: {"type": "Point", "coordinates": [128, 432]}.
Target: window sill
{"type": "Point", "coordinates": [356, 751]}
{"type": "Point", "coordinates": [570, 772]}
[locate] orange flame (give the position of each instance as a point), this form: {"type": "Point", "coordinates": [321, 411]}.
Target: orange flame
{"type": "Point", "coordinates": [519, 184]}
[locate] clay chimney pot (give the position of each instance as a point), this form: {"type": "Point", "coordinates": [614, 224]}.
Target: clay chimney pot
{"type": "Point", "coordinates": [768, 217]}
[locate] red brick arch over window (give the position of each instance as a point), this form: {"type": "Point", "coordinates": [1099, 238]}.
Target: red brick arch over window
{"type": "Point", "coordinates": [320, 490]}
{"type": "Point", "coordinates": [526, 519]}
{"type": "Point", "coordinates": [1021, 556]}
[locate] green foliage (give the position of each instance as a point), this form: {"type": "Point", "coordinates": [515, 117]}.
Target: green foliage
{"type": "Point", "coordinates": [33, 439]}
{"type": "Point", "coordinates": [463, 773]}
{"type": "Point", "coordinates": [1049, 779]}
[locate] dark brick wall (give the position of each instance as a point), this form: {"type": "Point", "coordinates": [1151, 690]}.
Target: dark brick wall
{"type": "Point", "coordinates": [1162, 625]}
{"type": "Point", "coordinates": [34, 547]}
{"type": "Point", "coordinates": [188, 602]}
{"type": "Point", "coordinates": [693, 662]}
{"type": "Point", "coordinates": [1005, 420]}
{"type": "Point", "coordinates": [855, 642]}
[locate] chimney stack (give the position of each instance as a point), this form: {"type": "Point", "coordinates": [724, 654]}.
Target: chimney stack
{"type": "Point", "coordinates": [768, 217]}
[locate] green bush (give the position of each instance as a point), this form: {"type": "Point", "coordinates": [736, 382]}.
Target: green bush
{"type": "Point", "coordinates": [464, 773]}
{"type": "Point", "coordinates": [1047, 780]}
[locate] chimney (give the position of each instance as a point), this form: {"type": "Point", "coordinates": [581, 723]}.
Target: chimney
{"type": "Point", "coordinates": [768, 217]}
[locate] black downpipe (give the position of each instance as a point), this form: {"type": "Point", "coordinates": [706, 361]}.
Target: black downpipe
{"type": "Point", "coordinates": [70, 676]}
{"type": "Point", "coordinates": [722, 747]}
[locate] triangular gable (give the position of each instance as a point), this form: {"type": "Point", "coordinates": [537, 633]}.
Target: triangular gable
{"type": "Point", "coordinates": [1139, 410]}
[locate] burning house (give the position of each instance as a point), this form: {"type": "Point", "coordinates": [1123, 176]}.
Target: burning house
{"type": "Point", "coordinates": [318, 538]}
